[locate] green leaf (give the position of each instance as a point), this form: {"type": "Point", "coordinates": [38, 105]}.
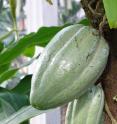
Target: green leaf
{"type": "Point", "coordinates": [24, 86]}
{"type": "Point", "coordinates": [7, 74]}
{"type": "Point", "coordinates": [26, 122]}
{"type": "Point", "coordinates": [1, 46]}
{"type": "Point", "coordinates": [111, 12]}
{"type": "Point", "coordinates": [29, 52]}
{"type": "Point", "coordinates": [45, 34]}
{"type": "Point", "coordinates": [84, 22]}
{"type": "Point", "coordinates": [15, 49]}
{"type": "Point", "coordinates": [41, 38]}
{"type": "Point", "coordinates": [10, 103]}
{"type": "Point", "coordinates": [22, 115]}
{"type": "Point", "coordinates": [4, 68]}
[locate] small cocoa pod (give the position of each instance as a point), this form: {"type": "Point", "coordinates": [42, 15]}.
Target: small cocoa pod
{"type": "Point", "coordinates": [88, 109]}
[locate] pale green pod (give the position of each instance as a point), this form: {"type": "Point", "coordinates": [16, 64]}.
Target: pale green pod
{"type": "Point", "coordinates": [73, 60]}
{"type": "Point", "coordinates": [102, 119]}
{"type": "Point", "coordinates": [88, 109]}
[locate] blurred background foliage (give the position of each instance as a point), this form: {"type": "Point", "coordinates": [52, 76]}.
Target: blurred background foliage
{"type": "Point", "coordinates": [6, 27]}
{"type": "Point", "coordinates": [70, 11]}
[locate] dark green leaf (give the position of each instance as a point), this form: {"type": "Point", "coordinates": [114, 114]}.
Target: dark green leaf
{"type": "Point", "coordinates": [10, 103]}
{"type": "Point", "coordinates": [24, 86]}
{"type": "Point", "coordinates": [29, 52]}
{"type": "Point", "coordinates": [111, 12]}
{"type": "Point", "coordinates": [5, 111]}
{"type": "Point", "coordinates": [4, 68]}
{"type": "Point", "coordinates": [1, 46]}
{"type": "Point", "coordinates": [22, 115]}
{"type": "Point", "coordinates": [7, 74]}
{"type": "Point", "coordinates": [85, 22]}
{"type": "Point", "coordinates": [26, 122]}
{"type": "Point", "coordinates": [41, 38]}
{"type": "Point", "coordinates": [45, 34]}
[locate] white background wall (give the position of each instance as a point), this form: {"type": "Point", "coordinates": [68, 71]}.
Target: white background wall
{"type": "Point", "coordinates": [39, 13]}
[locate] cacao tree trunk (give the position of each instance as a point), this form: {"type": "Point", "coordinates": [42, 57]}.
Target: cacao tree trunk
{"type": "Point", "coordinates": [95, 12]}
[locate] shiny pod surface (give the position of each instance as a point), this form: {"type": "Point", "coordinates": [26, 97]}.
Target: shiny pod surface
{"type": "Point", "coordinates": [71, 62]}
{"type": "Point", "coordinates": [88, 109]}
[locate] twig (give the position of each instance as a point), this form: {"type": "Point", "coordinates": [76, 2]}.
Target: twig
{"type": "Point", "coordinates": [102, 23]}
{"type": "Point", "coordinates": [92, 10]}
{"type": "Point", "coordinates": [115, 98]}
{"type": "Point", "coordinates": [97, 5]}
{"type": "Point", "coordinates": [110, 114]}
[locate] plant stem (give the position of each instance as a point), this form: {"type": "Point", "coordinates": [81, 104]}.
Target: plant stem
{"type": "Point", "coordinates": [7, 35]}
{"type": "Point", "coordinates": [15, 27]}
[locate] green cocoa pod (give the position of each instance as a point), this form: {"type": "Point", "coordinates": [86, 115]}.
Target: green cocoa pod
{"type": "Point", "coordinates": [71, 62]}
{"type": "Point", "coordinates": [88, 109]}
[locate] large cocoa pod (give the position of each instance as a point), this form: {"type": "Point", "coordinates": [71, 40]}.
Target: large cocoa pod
{"type": "Point", "coordinates": [69, 65]}
{"type": "Point", "coordinates": [88, 109]}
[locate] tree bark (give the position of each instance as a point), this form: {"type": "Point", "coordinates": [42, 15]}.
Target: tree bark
{"type": "Point", "coordinates": [109, 77]}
